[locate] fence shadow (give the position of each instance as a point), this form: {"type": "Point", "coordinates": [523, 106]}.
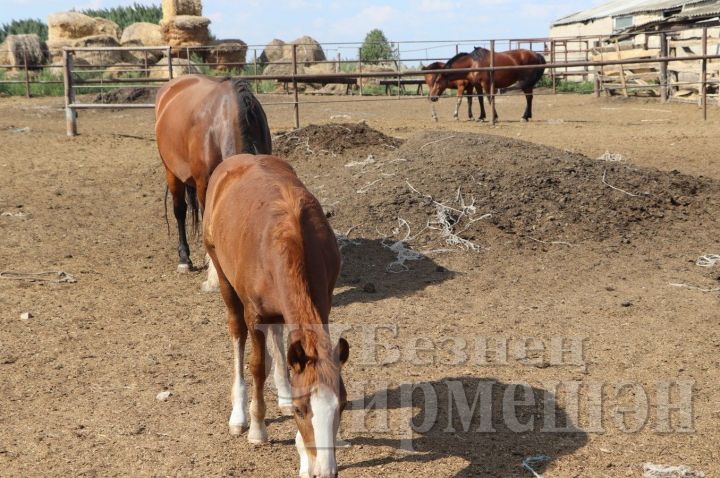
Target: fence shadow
{"type": "Point", "coordinates": [370, 272]}
{"type": "Point", "coordinates": [488, 453]}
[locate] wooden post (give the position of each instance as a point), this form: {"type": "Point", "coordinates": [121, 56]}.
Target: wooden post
{"type": "Point", "coordinates": [27, 74]}
{"type": "Point", "coordinates": [587, 58]}
{"type": "Point", "coordinates": [145, 64]}
{"type": "Point", "coordinates": [703, 75]}
{"type": "Point", "coordinates": [552, 60]}
{"type": "Point", "coordinates": [360, 80]}
{"type": "Point", "coordinates": [170, 65]}
{"type": "Point", "coordinates": [255, 67]}
{"type": "Point", "coordinates": [70, 116]}
{"type": "Point", "coordinates": [457, 48]}
{"type": "Point", "coordinates": [664, 53]}
{"type": "Point", "coordinates": [397, 66]}
{"type": "Point", "coordinates": [622, 70]}
{"type": "Point", "coordinates": [492, 81]}
{"type": "Point", "coordinates": [337, 63]}
{"type": "Point", "coordinates": [296, 105]}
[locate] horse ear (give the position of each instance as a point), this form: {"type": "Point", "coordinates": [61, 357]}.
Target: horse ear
{"type": "Point", "coordinates": [296, 357]}
{"type": "Point", "coordinates": [342, 351]}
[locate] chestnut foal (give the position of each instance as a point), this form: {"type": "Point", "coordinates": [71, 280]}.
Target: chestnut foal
{"type": "Point", "coordinates": [277, 260]}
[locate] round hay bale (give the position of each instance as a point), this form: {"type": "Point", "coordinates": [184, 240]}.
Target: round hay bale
{"type": "Point", "coordinates": [281, 69]}
{"type": "Point", "coordinates": [16, 48]}
{"type": "Point", "coordinates": [106, 27]}
{"type": "Point", "coordinates": [139, 56]}
{"type": "Point", "coordinates": [181, 67]}
{"type": "Point", "coordinates": [173, 8]}
{"type": "Point", "coordinates": [98, 58]}
{"type": "Point", "coordinates": [308, 50]}
{"type": "Point", "coordinates": [186, 31]}
{"type": "Point", "coordinates": [375, 68]}
{"type": "Point", "coordinates": [147, 34]}
{"type": "Point", "coordinates": [273, 52]}
{"type": "Point", "coordinates": [69, 26]}
{"type": "Point", "coordinates": [228, 54]}
{"type": "Point", "coordinates": [122, 70]}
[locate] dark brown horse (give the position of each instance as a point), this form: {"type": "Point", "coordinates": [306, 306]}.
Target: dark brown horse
{"type": "Point", "coordinates": [200, 121]}
{"type": "Point", "coordinates": [463, 87]}
{"type": "Point", "coordinates": [526, 79]}
{"type": "Point", "coordinates": [277, 261]}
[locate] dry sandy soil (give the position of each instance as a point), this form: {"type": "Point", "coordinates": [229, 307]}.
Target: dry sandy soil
{"type": "Point", "coordinates": [566, 245]}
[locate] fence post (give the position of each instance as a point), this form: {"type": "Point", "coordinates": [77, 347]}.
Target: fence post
{"type": "Point", "coordinates": [664, 53]}
{"type": "Point", "coordinates": [70, 116]}
{"type": "Point", "coordinates": [623, 82]}
{"type": "Point", "coordinates": [170, 63]}
{"type": "Point", "coordinates": [338, 68]}
{"type": "Point", "coordinates": [492, 81]}
{"type": "Point", "coordinates": [27, 74]}
{"type": "Point", "coordinates": [145, 64]}
{"type": "Point", "coordinates": [255, 65]}
{"type": "Point", "coordinates": [296, 104]}
{"type": "Point", "coordinates": [704, 73]}
{"type": "Point", "coordinates": [360, 80]}
{"type": "Point", "coordinates": [552, 71]}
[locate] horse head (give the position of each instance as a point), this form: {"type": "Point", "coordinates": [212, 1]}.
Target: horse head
{"type": "Point", "coordinates": [319, 398]}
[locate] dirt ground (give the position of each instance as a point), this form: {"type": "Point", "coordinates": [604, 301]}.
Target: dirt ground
{"type": "Point", "coordinates": [523, 232]}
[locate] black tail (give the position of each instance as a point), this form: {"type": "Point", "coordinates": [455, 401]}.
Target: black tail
{"type": "Point", "coordinates": [167, 221]}
{"type": "Point", "coordinates": [192, 201]}
{"type": "Point", "coordinates": [540, 71]}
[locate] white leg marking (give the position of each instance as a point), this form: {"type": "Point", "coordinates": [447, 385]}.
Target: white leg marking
{"type": "Point", "coordinates": [212, 284]}
{"type": "Point", "coordinates": [257, 435]}
{"type": "Point", "coordinates": [280, 374]}
{"type": "Point", "coordinates": [238, 418]}
{"type": "Point", "coordinates": [304, 463]}
{"type": "Point", "coordinates": [325, 405]}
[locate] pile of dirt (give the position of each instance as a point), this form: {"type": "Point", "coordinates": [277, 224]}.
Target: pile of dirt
{"type": "Point", "coordinates": [466, 190]}
{"type": "Point", "coordinates": [333, 140]}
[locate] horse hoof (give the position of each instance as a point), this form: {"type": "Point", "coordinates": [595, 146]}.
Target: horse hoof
{"type": "Point", "coordinates": [237, 430]}
{"type": "Point", "coordinates": [207, 287]}
{"type": "Point", "coordinates": [526, 119]}
{"type": "Point", "coordinates": [257, 439]}
{"type": "Point", "coordinates": [183, 268]}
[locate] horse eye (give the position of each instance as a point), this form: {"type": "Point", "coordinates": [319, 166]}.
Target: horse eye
{"type": "Point", "coordinates": [299, 412]}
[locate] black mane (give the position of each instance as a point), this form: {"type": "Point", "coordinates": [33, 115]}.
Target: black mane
{"type": "Point", "coordinates": [480, 53]}
{"type": "Point", "coordinates": [449, 64]}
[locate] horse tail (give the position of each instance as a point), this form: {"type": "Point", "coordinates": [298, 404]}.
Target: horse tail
{"type": "Point", "coordinates": [252, 120]}
{"type": "Point", "coordinates": [539, 72]}
{"type": "Point", "coordinates": [192, 202]}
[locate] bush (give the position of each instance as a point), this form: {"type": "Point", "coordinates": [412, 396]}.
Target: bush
{"type": "Point", "coordinates": [21, 27]}
{"type": "Point", "coordinates": [125, 16]}
{"type": "Point", "coordinates": [376, 47]}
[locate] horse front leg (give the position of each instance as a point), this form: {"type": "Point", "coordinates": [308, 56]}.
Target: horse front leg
{"type": "Point", "coordinates": [434, 113]}
{"type": "Point", "coordinates": [528, 108]}
{"type": "Point", "coordinates": [258, 431]}
{"type": "Point", "coordinates": [177, 189]}
{"type": "Point", "coordinates": [460, 92]}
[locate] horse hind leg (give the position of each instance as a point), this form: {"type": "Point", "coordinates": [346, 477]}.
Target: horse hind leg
{"type": "Point", "coordinates": [276, 352]}
{"type": "Point", "coordinates": [212, 284]}
{"type": "Point", "coordinates": [469, 102]}
{"type": "Point", "coordinates": [528, 107]}
{"type": "Point", "coordinates": [177, 190]}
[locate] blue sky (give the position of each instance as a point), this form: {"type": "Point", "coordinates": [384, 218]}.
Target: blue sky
{"type": "Point", "coordinates": [259, 21]}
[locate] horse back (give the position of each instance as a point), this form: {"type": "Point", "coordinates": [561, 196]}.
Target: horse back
{"type": "Point", "coordinates": [269, 236]}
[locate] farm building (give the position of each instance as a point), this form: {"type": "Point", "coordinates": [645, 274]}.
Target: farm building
{"type": "Point", "coordinates": [621, 16]}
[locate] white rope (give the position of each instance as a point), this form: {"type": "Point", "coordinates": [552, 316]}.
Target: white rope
{"type": "Point", "coordinates": [611, 157]}
{"type": "Point", "coordinates": [693, 287]}
{"type": "Point", "coordinates": [530, 461]}
{"type": "Point", "coordinates": [45, 276]}
{"type": "Point", "coordinates": [708, 261]}
{"type": "Point", "coordinates": [616, 189]}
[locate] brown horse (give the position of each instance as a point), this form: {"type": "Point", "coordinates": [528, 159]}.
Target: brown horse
{"type": "Point", "coordinates": [277, 260]}
{"type": "Point", "coordinates": [526, 79]}
{"type": "Point", "coordinates": [463, 86]}
{"type": "Point", "coordinates": [200, 121]}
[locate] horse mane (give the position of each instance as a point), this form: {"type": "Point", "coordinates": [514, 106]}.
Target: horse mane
{"type": "Point", "coordinates": [479, 53]}
{"type": "Point", "coordinates": [449, 64]}
{"type": "Point", "coordinates": [249, 112]}
{"type": "Point", "coordinates": [436, 65]}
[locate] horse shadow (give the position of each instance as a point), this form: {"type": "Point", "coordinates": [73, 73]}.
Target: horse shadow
{"type": "Point", "coordinates": [371, 271]}
{"type": "Point", "coordinates": [486, 437]}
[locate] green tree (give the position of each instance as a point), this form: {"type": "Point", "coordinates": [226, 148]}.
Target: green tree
{"type": "Point", "coordinates": [20, 27]}
{"type": "Point", "coordinates": [376, 47]}
{"type": "Point", "coordinates": [125, 16]}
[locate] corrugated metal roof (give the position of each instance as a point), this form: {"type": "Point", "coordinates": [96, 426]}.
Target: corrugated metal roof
{"type": "Point", "coordinates": [702, 10]}
{"type": "Point", "coordinates": [627, 7]}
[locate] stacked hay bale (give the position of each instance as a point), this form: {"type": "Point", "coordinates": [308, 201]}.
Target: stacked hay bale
{"type": "Point", "coordinates": [73, 29]}
{"type": "Point", "coordinates": [183, 24]}
{"type": "Point", "coordinates": [181, 67]}
{"type": "Point", "coordinates": [273, 52]}
{"type": "Point", "coordinates": [186, 31]}
{"type": "Point", "coordinates": [228, 54]}
{"type": "Point", "coordinates": [16, 48]}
